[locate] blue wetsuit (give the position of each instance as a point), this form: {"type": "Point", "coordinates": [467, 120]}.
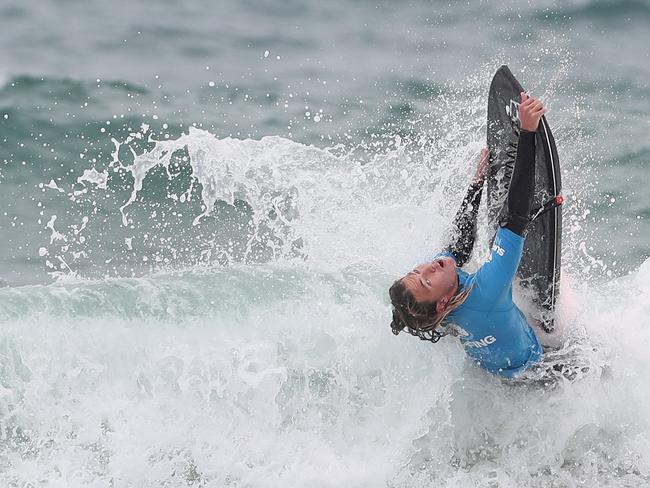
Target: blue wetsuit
{"type": "Point", "coordinates": [493, 331]}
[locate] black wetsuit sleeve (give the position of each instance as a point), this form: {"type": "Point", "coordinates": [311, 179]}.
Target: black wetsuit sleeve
{"type": "Point", "coordinates": [463, 231]}
{"type": "Point", "coordinates": [522, 185]}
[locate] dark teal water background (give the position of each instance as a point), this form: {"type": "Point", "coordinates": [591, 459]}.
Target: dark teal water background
{"type": "Point", "coordinates": [76, 74]}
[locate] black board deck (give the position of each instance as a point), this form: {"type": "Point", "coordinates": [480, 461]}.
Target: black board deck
{"type": "Point", "coordinates": [539, 271]}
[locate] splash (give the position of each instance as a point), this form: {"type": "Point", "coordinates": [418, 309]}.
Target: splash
{"type": "Point", "coordinates": [274, 335]}
{"type": "Point", "coordinates": [274, 198]}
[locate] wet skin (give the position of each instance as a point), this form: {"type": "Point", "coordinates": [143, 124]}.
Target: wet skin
{"type": "Point", "coordinates": [436, 281]}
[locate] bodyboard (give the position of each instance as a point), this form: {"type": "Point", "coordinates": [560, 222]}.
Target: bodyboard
{"type": "Point", "coordinates": [539, 271]}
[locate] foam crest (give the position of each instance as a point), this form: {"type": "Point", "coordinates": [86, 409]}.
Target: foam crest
{"type": "Point", "coordinates": [176, 297]}
{"type": "Point", "coordinates": [303, 197]}
{"type": "Point", "coordinates": [259, 172]}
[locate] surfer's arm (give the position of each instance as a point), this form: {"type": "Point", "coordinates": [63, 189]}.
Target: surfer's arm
{"type": "Point", "coordinates": [463, 230]}
{"type": "Point", "coordinates": [522, 184]}
{"type": "Point", "coordinates": [494, 279]}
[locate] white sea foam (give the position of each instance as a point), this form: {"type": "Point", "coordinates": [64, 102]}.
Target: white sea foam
{"type": "Point", "coordinates": [95, 177]}
{"type": "Point", "coordinates": [285, 373]}
{"type": "Point", "coordinates": [274, 375]}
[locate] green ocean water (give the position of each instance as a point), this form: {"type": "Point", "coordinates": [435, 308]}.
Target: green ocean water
{"type": "Point", "coordinates": [203, 204]}
{"type": "Point", "coordinates": [356, 76]}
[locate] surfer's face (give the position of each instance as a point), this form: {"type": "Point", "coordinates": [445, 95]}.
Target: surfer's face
{"type": "Point", "coordinates": [434, 281]}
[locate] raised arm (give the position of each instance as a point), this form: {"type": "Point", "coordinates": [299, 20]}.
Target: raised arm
{"type": "Point", "coordinates": [463, 230]}
{"type": "Point", "coordinates": [495, 277]}
{"type": "Point", "coordinates": [522, 184]}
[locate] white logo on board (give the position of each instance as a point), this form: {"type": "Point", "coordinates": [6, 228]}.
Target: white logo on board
{"type": "Point", "coordinates": [512, 111]}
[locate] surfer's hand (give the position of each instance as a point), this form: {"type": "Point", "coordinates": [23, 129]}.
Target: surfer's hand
{"type": "Point", "coordinates": [530, 111]}
{"type": "Point", "coordinates": [483, 165]}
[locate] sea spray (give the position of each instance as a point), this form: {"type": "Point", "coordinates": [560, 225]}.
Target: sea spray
{"type": "Point", "coordinates": [221, 317]}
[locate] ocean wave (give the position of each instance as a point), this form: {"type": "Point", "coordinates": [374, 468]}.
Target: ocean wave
{"type": "Point", "coordinates": [175, 297]}
{"type": "Point", "coordinates": [131, 396]}
{"type": "Point", "coordinates": [54, 87]}
{"type": "Point", "coordinates": [251, 347]}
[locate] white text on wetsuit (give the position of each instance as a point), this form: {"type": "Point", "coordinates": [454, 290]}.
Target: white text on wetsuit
{"type": "Point", "coordinates": [486, 341]}
{"type": "Point", "coordinates": [498, 250]}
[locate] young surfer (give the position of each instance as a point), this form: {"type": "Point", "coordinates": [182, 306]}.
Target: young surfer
{"type": "Point", "coordinates": [438, 298]}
